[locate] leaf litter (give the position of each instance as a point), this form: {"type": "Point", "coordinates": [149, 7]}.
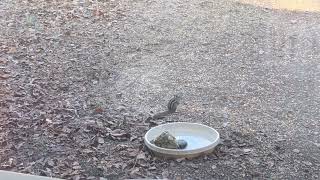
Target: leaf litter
{"type": "Point", "coordinates": [57, 116]}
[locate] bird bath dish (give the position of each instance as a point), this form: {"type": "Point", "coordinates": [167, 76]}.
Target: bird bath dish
{"type": "Point", "coordinates": [201, 139]}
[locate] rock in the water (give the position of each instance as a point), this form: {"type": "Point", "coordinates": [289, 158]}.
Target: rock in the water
{"type": "Point", "coordinates": [166, 140]}
{"type": "Point", "coordinates": [182, 143]}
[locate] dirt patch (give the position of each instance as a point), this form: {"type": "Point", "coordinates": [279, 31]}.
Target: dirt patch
{"type": "Point", "coordinates": [79, 79]}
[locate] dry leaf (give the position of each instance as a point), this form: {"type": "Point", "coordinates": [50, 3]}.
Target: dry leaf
{"type": "Point", "coordinates": [134, 171]}
{"type": "Point", "coordinates": [12, 50]}
{"type": "Point", "coordinates": [50, 163]}
{"type": "Point", "coordinates": [152, 168]}
{"type": "Point", "coordinates": [98, 110]}
{"type": "Point", "coordinates": [100, 140]}
{"type": "Point", "coordinates": [142, 156]}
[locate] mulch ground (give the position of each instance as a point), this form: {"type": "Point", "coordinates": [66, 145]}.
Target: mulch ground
{"type": "Point", "coordinates": [60, 116]}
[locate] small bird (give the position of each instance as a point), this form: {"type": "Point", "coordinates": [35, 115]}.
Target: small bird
{"type": "Point", "coordinates": [172, 107]}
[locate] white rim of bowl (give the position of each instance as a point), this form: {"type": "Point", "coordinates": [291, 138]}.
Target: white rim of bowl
{"type": "Point", "coordinates": [181, 151]}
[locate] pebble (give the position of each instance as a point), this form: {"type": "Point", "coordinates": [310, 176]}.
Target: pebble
{"type": "Point", "coordinates": [182, 143]}
{"type": "Point", "coordinates": [261, 51]}
{"type": "Point", "coordinates": [100, 140]}
{"type": "Point", "coordinates": [118, 95]}
{"type": "Point", "coordinates": [194, 166]}
{"type": "Point", "coordinates": [307, 163]}
{"type": "Point", "coordinates": [280, 140]}
{"type": "Point", "coordinates": [293, 21]}
{"type": "Point", "coordinates": [152, 168]}
{"type": "Point", "coordinates": [247, 150]}
{"type": "Point", "coordinates": [225, 124]}
{"type": "Point", "coordinates": [180, 159]}
{"type": "Point", "coordinates": [296, 150]}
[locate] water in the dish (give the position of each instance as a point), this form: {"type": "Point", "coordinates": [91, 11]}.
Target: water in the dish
{"type": "Point", "coordinates": [194, 142]}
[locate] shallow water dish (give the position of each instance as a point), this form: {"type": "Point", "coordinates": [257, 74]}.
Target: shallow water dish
{"type": "Point", "coordinates": [201, 139]}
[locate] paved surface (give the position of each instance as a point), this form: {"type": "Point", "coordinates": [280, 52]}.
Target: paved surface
{"type": "Point", "coordinates": [6, 175]}
{"type": "Point", "coordinates": [292, 5]}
